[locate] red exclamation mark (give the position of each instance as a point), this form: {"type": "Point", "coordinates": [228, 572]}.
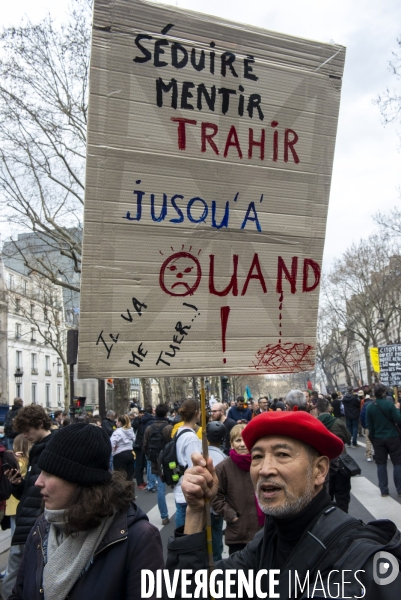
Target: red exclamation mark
{"type": "Point", "coordinates": [224, 312]}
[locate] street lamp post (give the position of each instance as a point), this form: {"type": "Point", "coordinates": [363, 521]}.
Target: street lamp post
{"type": "Point", "coordinates": [18, 380]}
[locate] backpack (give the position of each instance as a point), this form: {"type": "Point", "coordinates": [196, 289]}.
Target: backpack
{"type": "Point", "coordinates": [8, 424]}
{"type": "Point", "coordinates": [170, 470]}
{"type": "Point", "coordinates": [156, 441]}
{"type": "Point", "coordinates": [362, 416]}
{"type": "Point", "coordinates": [314, 552]}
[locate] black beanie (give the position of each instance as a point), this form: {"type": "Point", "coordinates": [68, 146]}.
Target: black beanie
{"type": "Point", "coordinates": [78, 453]}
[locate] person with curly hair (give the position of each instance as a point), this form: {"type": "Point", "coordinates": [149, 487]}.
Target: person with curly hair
{"type": "Point", "coordinates": [92, 540]}
{"type": "Point", "coordinates": [34, 423]}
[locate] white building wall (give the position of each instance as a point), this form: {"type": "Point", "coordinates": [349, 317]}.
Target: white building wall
{"type": "Point", "coordinates": [42, 376]}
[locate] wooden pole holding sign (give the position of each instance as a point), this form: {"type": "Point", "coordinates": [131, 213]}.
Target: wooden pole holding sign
{"type": "Point", "coordinates": [205, 452]}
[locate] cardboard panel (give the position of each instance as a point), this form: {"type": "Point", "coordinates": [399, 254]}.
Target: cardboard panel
{"type": "Point", "coordinates": [210, 152]}
{"type": "Point", "coordinates": [390, 364]}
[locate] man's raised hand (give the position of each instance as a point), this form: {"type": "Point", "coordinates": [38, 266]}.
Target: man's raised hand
{"type": "Point", "coordinates": [199, 482]}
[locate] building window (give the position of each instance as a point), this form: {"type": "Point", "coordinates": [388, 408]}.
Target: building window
{"type": "Point", "coordinates": [48, 402]}
{"type": "Point", "coordinates": [47, 365]}
{"type": "Point", "coordinates": [25, 287]}
{"type": "Point", "coordinates": [10, 281]}
{"type": "Point", "coordinates": [17, 305]}
{"type": "Point", "coordinates": [59, 395]}
{"type": "Point", "coordinates": [33, 335]}
{"type": "Point", "coordinates": [45, 315]}
{"type": "Point", "coordinates": [59, 369]}
{"type": "Point", "coordinates": [33, 393]}
{"type": "Point", "coordinates": [32, 312]}
{"type": "Point", "coordinates": [34, 364]}
{"type": "Point", "coordinates": [18, 359]}
{"type": "Point", "coordinates": [48, 337]}
{"type": "Point", "coordinates": [17, 331]}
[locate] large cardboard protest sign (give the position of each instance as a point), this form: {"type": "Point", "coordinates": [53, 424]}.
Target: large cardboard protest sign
{"type": "Point", "coordinates": [210, 152]}
{"type": "Point", "coordinates": [390, 364]}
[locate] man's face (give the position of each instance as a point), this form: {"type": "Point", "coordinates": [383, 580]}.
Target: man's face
{"type": "Point", "coordinates": [34, 434]}
{"type": "Point", "coordinates": [284, 476]}
{"type": "Point", "coordinates": [263, 404]}
{"type": "Point", "coordinates": [216, 413]}
{"type": "Point", "coordinates": [240, 405]}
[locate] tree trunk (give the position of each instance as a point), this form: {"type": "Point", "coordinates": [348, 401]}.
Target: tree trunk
{"type": "Point", "coordinates": [122, 388]}
{"type": "Point", "coordinates": [146, 391]}
{"type": "Point", "coordinates": [347, 375]}
{"type": "Point", "coordinates": [368, 369]}
{"type": "Point", "coordinates": [160, 383]}
{"type": "Point", "coordinates": [195, 388]}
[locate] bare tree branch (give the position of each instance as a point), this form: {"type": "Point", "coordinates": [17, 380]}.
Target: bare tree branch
{"type": "Point", "coordinates": [43, 117]}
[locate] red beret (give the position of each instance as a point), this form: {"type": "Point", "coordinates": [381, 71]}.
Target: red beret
{"type": "Point", "coordinates": [298, 425]}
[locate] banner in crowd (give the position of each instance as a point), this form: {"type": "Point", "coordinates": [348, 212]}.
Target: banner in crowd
{"type": "Point", "coordinates": [209, 161]}
{"type": "Point", "coordinates": [374, 359]}
{"type": "Point", "coordinates": [390, 364]}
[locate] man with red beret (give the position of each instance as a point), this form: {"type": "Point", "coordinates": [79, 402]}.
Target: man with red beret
{"type": "Point", "coordinates": [315, 548]}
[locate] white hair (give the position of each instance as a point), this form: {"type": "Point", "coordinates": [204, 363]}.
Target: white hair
{"type": "Point", "coordinates": [296, 398]}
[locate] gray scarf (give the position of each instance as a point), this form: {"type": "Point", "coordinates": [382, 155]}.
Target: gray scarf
{"type": "Point", "coordinates": [68, 556]}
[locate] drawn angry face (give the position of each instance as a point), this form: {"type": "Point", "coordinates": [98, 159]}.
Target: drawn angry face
{"type": "Point", "coordinates": [180, 274]}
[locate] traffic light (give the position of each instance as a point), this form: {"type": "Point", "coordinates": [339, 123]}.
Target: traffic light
{"type": "Point", "coordinates": [80, 402]}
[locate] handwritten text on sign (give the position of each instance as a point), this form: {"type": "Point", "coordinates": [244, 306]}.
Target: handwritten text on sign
{"type": "Point", "coordinates": [390, 364]}
{"type": "Point", "coordinates": [210, 149]}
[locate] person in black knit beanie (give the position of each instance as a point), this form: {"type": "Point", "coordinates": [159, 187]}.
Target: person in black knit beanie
{"type": "Point", "coordinates": [92, 540]}
{"type": "Point", "coordinates": [80, 454]}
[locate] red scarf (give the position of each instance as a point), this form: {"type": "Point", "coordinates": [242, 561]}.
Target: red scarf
{"type": "Point", "coordinates": [243, 462]}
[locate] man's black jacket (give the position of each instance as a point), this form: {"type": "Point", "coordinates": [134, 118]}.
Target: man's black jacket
{"type": "Point", "coordinates": [140, 424]}
{"type": "Point", "coordinates": [352, 406]}
{"type": "Point", "coordinates": [108, 426]}
{"type": "Point", "coordinates": [350, 548]}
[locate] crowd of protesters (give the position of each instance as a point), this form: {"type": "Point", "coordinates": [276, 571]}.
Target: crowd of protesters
{"type": "Point", "coordinates": [68, 482]}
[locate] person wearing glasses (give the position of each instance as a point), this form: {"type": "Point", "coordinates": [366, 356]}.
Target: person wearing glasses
{"type": "Point", "coordinates": [217, 413]}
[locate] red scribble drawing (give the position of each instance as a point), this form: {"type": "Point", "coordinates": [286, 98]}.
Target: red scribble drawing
{"type": "Point", "coordinates": [284, 358]}
{"type": "Point", "coordinates": [290, 357]}
{"type": "Point", "coordinates": [180, 274]}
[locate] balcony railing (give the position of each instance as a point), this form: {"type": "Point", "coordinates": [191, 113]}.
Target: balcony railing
{"type": "Point", "coordinates": [48, 372]}
{"type": "Point", "coordinates": [34, 371]}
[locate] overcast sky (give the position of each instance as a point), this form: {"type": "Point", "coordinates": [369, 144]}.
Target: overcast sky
{"type": "Point", "coordinates": [367, 174]}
